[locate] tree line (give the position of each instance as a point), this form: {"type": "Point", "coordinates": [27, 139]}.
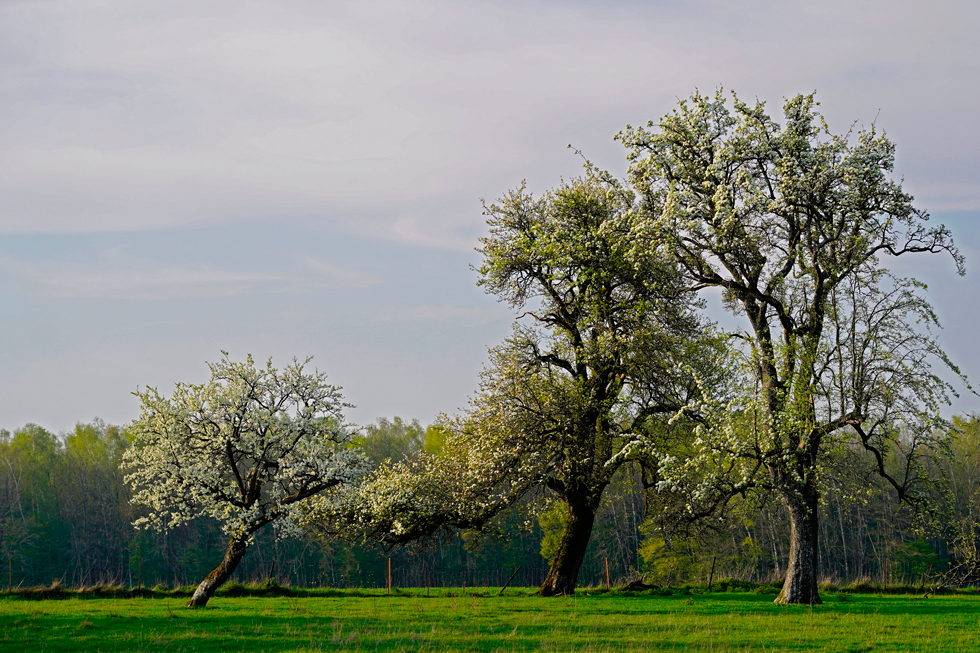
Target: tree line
{"type": "Point", "coordinates": [66, 516]}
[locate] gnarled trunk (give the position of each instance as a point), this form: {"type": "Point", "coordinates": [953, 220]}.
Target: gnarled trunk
{"type": "Point", "coordinates": [800, 585]}
{"type": "Point", "coordinates": [217, 578]}
{"type": "Point", "coordinates": [564, 570]}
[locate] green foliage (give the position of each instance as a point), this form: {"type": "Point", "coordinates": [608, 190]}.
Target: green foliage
{"type": "Point", "coordinates": [552, 523]}
{"type": "Point", "coordinates": [435, 439]}
{"type": "Point", "coordinates": [62, 510]}
{"type": "Point", "coordinates": [663, 562]}
{"type": "Point", "coordinates": [918, 559]}
{"type": "Point", "coordinates": [391, 440]}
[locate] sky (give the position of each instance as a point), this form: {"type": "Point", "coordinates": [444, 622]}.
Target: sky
{"type": "Point", "coordinates": [303, 178]}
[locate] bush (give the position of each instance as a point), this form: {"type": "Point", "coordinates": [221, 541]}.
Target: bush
{"type": "Point", "coordinates": [734, 585]}
{"type": "Point", "coordinates": [233, 588]}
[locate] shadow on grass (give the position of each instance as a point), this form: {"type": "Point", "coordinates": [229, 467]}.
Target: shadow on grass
{"type": "Point", "coordinates": [730, 588]}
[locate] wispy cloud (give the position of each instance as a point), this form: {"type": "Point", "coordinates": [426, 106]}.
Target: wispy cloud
{"type": "Point", "coordinates": [946, 196]}
{"type": "Point", "coordinates": [341, 277]}
{"type": "Point", "coordinates": [147, 283]}
{"type": "Point", "coordinates": [121, 277]}
{"type": "Point", "coordinates": [446, 314]}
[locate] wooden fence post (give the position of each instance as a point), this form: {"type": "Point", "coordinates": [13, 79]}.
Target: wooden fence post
{"type": "Point", "coordinates": [508, 581]}
{"type": "Point", "coordinates": [389, 576]}
{"type": "Point", "coordinates": [608, 586]}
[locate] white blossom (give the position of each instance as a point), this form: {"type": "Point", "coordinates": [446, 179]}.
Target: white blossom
{"type": "Point", "coordinates": [248, 448]}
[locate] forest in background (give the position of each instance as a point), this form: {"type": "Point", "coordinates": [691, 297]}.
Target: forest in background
{"type": "Point", "coordinates": [65, 517]}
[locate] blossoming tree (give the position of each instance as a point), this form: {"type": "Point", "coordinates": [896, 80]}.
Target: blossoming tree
{"type": "Point", "coordinates": [791, 223]}
{"type": "Point", "coordinates": [606, 347]}
{"type": "Point", "coordinates": [248, 448]}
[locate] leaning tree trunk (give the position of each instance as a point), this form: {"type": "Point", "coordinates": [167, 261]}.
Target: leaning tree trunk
{"type": "Point", "coordinates": [217, 578]}
{"type": "Point", "coordinates": [800, 585]}
{"type": "Point", "coordinates": [564, 570]}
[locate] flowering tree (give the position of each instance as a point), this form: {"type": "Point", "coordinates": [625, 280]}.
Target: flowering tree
{"type": "Point", "coordinates": [790, 222]}
{"type": "Point", "coordinates": [606, 350]}
{"type": "Point", "coordinates": [248, 448]}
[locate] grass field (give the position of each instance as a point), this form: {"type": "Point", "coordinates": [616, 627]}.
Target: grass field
{"type": "Point", "coordinates": [450, 620]}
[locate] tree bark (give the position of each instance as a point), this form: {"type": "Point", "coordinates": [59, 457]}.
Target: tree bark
{"type": "Point", "coordinates": [217, 578]}
{"type": "Point", "coordinates": [800, 585]}
{"type": "Point", "coordinates": [563, 575]}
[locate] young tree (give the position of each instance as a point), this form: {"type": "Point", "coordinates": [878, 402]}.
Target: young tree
{"type": "Point", "coordinates": [564, 401]}
{"type": "Point", "coordinates": [393, 439]}
{"type": "Point", "coordinates": [248, 448]}
{"type": "Point", "coordinates": [790, 223]}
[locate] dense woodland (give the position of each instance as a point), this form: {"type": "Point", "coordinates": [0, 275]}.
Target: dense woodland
{"type": "Point", "coordinates": [65, 517]}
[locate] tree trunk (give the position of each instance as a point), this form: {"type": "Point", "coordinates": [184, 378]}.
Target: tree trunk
{"type": "Point", "coordinates": [564, 570]}
{"type": "Point", "coordinates": [800, 585]}
{"type": "Point", "coordinates": [217, 578]}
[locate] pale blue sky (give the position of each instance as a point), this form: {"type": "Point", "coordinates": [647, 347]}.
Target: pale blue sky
{"type": "Point", "coordinates": [303, 177]}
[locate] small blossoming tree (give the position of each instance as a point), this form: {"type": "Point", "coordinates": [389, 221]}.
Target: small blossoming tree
{"type": "Point", "coordinates": [247, 448]}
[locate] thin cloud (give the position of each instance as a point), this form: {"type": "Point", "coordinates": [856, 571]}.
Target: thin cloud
{"type": "Point", "coordinates": [341, 277]}
{"type": "Point", "coordinates": [150, 283]}
{"type": "Point", "coordinates": [447, 314]}
{"type": "Point", "coordinates": [430, 234]}
{"type": "Point", "coordinates": [946, 196]}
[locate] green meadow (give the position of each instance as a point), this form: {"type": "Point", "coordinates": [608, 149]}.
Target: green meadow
{"type": "Point", "coordinates": [480, 620]}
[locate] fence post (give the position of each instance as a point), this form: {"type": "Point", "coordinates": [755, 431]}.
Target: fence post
{"type": "Point", "coordinates": [389, 576]}
{"type": "Point", "coordinates": [508, 581]}
{"type": "Point", "coordinates": [711, 576]}
{"type": "Point", "coordinates": [608, 586]}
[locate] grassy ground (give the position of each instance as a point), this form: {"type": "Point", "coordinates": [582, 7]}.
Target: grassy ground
{"type": "Point", "coordinates": [482, 621]}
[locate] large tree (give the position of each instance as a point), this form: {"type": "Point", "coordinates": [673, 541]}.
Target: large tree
{"type": "Point", "coordinates": [793, 225]}
{"type": "Point", "coordinates": [603, 348]}
{"type": "Point", "coordinates": [247, 448]}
